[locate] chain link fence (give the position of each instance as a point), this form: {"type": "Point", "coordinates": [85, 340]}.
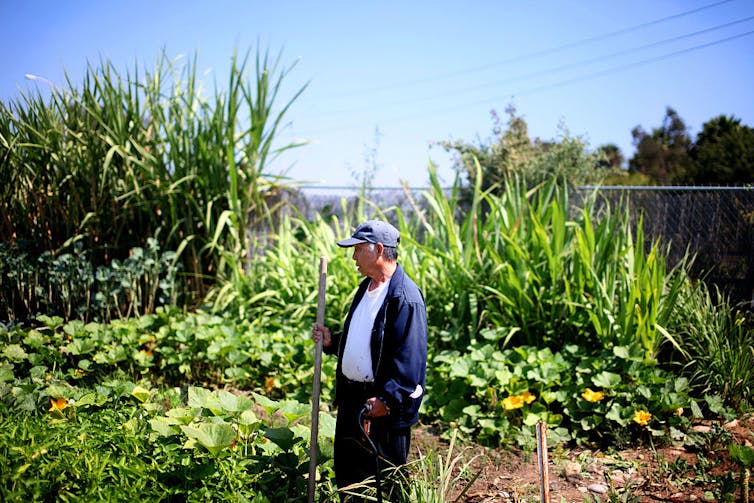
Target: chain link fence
{"type": "Point", "coordinates": [713, 224]}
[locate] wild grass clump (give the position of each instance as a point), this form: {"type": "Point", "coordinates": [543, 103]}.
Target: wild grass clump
{"type": "Point", "coordinates": [716, 345]}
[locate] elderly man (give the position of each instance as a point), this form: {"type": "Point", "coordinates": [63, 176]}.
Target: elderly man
{"type": "Point", "coordinates": [382, 357]}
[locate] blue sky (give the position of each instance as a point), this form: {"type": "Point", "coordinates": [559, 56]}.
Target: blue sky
{"type": "Point", "coordinates": [387, 79]}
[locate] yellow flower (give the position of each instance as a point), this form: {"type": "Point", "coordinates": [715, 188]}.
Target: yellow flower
{"type": "Point", "coordinates": [57, 406]}
{"type": "Point", "coordinates": [269, 384]}
{"type": "Point", "coordinates": [513, 402]}
{"type": "Point", "coordinates": [679, 411]}
{"type": "Point", "coordinates": [518, 401]}
{"type": "Point", "coordinates": [642, 417]}
{"type": "Point", "coordinates": [528, 397]}
{"type": "Point", "coordinates": [593, 396]}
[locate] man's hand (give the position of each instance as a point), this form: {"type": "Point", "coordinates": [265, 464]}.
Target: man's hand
{"type": "Point", "coordinates": [376, 408]}
{"type": "Point", "coordinates": [320, 331]}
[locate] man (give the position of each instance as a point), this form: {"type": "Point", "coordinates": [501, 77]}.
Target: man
{"type": "Point", "coordinates": [382, 357]}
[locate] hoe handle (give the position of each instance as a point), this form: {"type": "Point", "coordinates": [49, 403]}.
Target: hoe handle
{"type": "Point", "coordinates": [317, 383]}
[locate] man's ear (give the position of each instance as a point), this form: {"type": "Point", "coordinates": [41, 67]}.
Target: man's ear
{"type": "Point", "coordinates": [379, 248]}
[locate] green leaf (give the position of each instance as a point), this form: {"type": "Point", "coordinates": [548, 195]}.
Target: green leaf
{"type": "Point", "coordinates": [326, 434]}
{"type": "Point", "coordinates": [615, 413]}
{"type": "Point", "coordinates": [269, 405]}
{"type": "Point", "coordinates": [294, 411]}
{"type": "Point", "coordinates": [236, 357]}
{"type": "Point", "coordinates": [503, 376]}
{"type": "Point", "coordinates": [235, 373]}
{"type": "Point", "coordinates": [696, 411]}
{"type": "Point", "coordinates": [233, 403]}
{"type": "Point", "coordinates": [51, 322]}
{"type": "Point", "coordinates": [742, 454]}
{"type": "Point", "coordinates": [15, 353]}
{"type": "Point", "coordinates": [715, 403]}
{"type": "Point", "coordinates": [248, 418]}
{"type": "Point", "coordinates": [91, 399]}
{"type": "Point", "coordinates": [606, 379]}
{"type": "Point", "coordinates": [621, 352]}
{"type": "Point", "coordinates": [182, 415]}
{"type": "Point", "coordinates": [632, 352]}
{"type": "Point", "coordinates": [282, 437]}
{"type": "Point", "coordinates": [59, 390]}
{"type": "Point", "coordinates": [164, 427]}
{"type": "Point", "coordinates": [35, 339]}
{"type": "Point", "coordinates": [197, 397]}
{"type": "Point", "coordinates": [201, 398]}
{"type": "Point", "coordinates": [6, 374]}
{"type": "Point", "coordinates": [140, 393]}
{"type": "Point", "coordinates": [531, 419]}
{"type": "Point", "coordinates": [212, 436]}
{"type": "Point", "coordinates": [459, 368]}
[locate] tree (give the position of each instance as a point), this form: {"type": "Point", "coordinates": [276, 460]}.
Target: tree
{"type": "Point", "coordinates": [662, 156]}
{"type": "Point", "coordinates": [609, 156]}
{"type": "Point", "coordinates": [723, 153]}
{"type": "Point", "coordinates": [512, 152]}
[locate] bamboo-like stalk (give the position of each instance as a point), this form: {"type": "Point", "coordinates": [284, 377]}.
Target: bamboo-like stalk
{"type": "Point", "coordinates": [119, 158]}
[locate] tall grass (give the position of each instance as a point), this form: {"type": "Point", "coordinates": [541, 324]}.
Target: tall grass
{"type": "Point", "coordinates": [529, 267]}
{"type": "Point", "coordinates": [434, 479]}
{"type": "Point", "coordinates": [716, 342]}
{"type": "Point", "coordinates": [120, 158]}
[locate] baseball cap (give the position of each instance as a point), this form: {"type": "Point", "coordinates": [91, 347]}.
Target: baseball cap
{"type": "Point", "coordinates": [373, 231]}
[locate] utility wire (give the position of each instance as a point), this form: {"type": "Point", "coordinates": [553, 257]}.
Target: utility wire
{"type": "Point", "coordinates": [637, 63]}
{"type": "Point", "coordinates": [561, 83]}
{"type": "Point", "coordinates": [532, 55]}
{"type": "Point", "coordinates": [548, 71]}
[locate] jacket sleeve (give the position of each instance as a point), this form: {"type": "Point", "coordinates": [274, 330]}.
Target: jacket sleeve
{"type": "Point", "coordinates": [335, 344]}
{"type": "Point", "coordinates": [405, 361]}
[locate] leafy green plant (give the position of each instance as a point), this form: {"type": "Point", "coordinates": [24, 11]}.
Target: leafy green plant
{"type": "Point", "coordinates": [221, 423]}
{"type": "Point", "coordinates": [716, 343]}
{"type": "Point", "coordinates": [744, 456]}
{"type": "Point", "coordinates": [435, 479]}
{"type": "Point", "coordinates": [68, 283]}
{"type": "Point", "coordinates": [124, 442]}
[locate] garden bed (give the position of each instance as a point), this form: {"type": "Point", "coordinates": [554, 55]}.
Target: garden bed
{"type": "Point", "coordinates": [669, 473]}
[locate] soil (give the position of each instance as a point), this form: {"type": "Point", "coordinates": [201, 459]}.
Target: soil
{"type": "Point", "coordinates": [669, 473]}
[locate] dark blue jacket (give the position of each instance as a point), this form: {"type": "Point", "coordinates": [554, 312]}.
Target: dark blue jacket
{"type": "Point", "coordinates": [399, 348]}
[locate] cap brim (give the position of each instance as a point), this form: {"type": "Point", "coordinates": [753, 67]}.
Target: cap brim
{"type": "Point", "coordinates": [347, 243]}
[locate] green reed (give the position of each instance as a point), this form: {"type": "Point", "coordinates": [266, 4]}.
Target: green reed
{"type": "Point", "coordinates": [716, 342]}
{"type": "Point", "coordinates": [538, 270]}
{"type": "Point", "coordinates": [120, 157]}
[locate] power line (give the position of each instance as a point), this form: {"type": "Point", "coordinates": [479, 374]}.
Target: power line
{"type": "Point", "coordinates": [562, 83]}
{"type": "Point", "coordinates": [638, 63]}
{"type": "Point", "coordinates": [549, 71]}
{"type": "Point", "coordinates": [535, 54]}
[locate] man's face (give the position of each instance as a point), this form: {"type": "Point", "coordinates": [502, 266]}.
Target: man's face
{"type": "Point", "coordinates": [365, 255]}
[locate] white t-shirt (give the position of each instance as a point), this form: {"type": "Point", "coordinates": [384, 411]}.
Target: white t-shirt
{"type": "Point", "coordinates": [357, 355]}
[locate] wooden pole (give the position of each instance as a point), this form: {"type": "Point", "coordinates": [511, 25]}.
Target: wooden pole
{"type": "Point", "coordinates": [317, 382]}
{"type": "Point", "coordinates": [542, 462]}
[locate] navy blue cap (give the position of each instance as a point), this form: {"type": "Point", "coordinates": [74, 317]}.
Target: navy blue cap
{"type": "Point", "coordinates": [373, 231]}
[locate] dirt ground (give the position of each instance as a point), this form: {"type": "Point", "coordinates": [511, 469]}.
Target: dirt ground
{"type": "Point", "coordinates": [670, 473]}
